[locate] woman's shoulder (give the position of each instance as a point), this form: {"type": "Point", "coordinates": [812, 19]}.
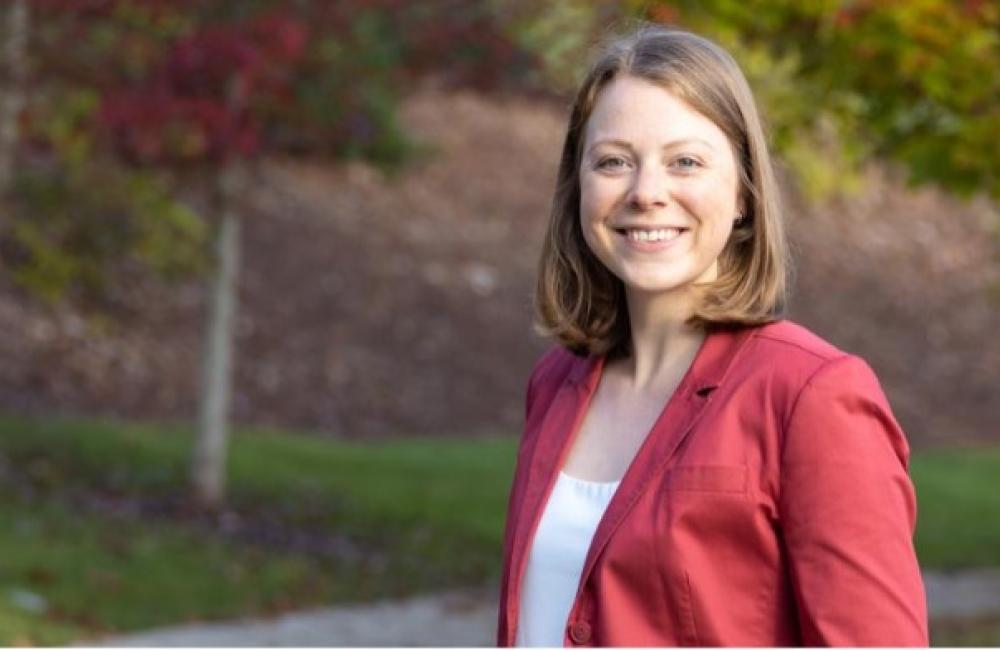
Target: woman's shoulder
{"type": "Point", "coordinates": [792, 356]}
{"type": "Point", "coordinates": [793, 340]}
{"type": "Point", "coordinates": [556, 364]}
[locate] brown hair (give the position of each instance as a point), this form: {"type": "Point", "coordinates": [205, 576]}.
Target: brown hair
{"type": "Point", "coordinates": [578, 301]}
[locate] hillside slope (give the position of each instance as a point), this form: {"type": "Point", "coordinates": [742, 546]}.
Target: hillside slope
{"type": "Point", "coordinates": [374, 306]}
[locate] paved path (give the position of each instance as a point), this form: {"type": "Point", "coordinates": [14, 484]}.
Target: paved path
{"type": "Point", "coordinates": [963, 594]}
{"type": "Point", "coordinates": [469, 618]}
{"type": "Point", "coordinates": [452, 619]}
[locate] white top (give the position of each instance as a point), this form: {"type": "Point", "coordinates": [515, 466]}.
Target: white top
{"type": "Point", "coordinates": [555, 562]}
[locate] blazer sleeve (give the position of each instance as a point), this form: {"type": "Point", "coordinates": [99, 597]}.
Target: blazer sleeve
{"type": "Point", "coordinates": [848, 511]}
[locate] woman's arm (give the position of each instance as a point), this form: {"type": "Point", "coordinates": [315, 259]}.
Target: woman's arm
{"type": "Point", "coordinates": [848, 512]}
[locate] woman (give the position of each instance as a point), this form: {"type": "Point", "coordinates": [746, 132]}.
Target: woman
{"type": "Point", "coordinates": [694, 470]}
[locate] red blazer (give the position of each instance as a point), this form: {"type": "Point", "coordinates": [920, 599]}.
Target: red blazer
{"type": "Point", "coordinates": [769, 505]}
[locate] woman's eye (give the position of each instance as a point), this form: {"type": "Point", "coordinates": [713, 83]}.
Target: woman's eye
{"type": "Point", "coordinates": [687, 163]}
{"type": "Point", "coordinates": [612, 163]}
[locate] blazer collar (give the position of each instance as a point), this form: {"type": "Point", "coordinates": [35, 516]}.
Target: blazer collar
{"type": "Point", "coordinates": [707, 370]}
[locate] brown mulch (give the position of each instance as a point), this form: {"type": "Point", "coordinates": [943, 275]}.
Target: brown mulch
{"type": "Point", "coordinates": [375, 306]}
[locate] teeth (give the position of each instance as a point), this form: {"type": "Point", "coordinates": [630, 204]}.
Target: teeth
{"type": "Point", "coordinates": [664, 234]}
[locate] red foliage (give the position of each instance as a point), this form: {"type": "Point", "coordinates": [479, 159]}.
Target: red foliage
{"type": "Point", "coordinates": [149, 128]}
{"type": "Point", "coordinates": [201, 103]}
{"type": "Point", "coordinates": [180, 82]}
{"type": "Point", "coordinates": [104, 8]}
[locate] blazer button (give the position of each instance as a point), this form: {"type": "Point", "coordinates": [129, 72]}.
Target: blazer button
{"type": "Point", "coordinates": [579, 632]}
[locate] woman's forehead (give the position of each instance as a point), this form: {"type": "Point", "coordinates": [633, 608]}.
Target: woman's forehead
{"type": "Point", "coordinates": [630, 109]}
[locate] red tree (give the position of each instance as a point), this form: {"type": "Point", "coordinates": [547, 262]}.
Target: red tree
{"type": "Point", "coordinates": [213, 85]}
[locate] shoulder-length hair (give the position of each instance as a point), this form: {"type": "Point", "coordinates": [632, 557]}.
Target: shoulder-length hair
{"type": "Point", "coordinates": [578, 301]}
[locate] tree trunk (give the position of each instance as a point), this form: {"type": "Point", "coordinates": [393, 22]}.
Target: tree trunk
{"type": "Point", "coordinates": [209, 462]}
{"type": "Point", "coordinates": [15, 63]}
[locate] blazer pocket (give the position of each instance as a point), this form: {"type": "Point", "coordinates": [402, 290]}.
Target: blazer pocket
{"type": "Point", "coordinates": [730, 479]}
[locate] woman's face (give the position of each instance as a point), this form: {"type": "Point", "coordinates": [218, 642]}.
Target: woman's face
{"type": "Point", "coordinates": [658, 186]}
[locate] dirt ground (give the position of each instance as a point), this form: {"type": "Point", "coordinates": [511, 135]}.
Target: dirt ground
{"type": "Point", "coordinates": [374, 306]}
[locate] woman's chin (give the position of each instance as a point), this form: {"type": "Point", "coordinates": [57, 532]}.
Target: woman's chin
{"type": "Point", "coordinates": [654, 287]}
{"type": "Point", "coordinates": [653, 283]}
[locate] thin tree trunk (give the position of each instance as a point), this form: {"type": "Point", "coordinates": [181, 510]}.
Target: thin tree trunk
{"type": "Point", "coordinates": [209, 462]}
{"type": "Point", "coordinates": [15, 63]}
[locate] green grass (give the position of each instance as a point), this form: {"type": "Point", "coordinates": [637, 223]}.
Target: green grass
{"type": "Point", "coordinates": [958, 496]}
{"type": "Point", "coordinates": [423, 514]}
{"type": "Point", "coordinates": [98, 576]}
{"type": "Point", "coordinates": [459, 484]}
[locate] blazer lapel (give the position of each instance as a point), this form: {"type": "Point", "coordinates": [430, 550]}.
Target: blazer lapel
{"type": "Point", "coordinates": [675, 422]}
{"type": "Point", "coordinates": [546, 457]}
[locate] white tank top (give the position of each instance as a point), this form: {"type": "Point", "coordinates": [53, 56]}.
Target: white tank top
{"type": "Point", "coordinates": [555, 562]}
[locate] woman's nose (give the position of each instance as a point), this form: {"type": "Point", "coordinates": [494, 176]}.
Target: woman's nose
{"type": "Point", "coordinates": [649, 189]}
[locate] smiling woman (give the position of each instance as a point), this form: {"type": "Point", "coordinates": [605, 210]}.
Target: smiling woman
{"type": "Point", "coordinates": [694, 470]}
{"type": "Point", "coordinates": [660, 120]}
{"type": "Point", "coordinates": [658, 187]}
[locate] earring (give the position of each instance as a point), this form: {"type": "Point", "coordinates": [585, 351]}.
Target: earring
{"type": "Point", "coordinates": [740, 218]}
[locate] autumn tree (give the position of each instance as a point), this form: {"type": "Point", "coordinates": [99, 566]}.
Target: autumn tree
{"type": "Point", "coordinates": [14, 67]}
{"type": "Point", "coordinates": [203, 89]}
{"type": "Point", "coordinates": [845, 82]}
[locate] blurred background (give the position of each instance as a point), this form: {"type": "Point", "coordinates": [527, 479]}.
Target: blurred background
{"type": "Point", "coordinates": [267, 271]}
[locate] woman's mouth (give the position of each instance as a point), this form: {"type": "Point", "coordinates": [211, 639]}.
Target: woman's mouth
{"type": "Point", "coordinates": [650, 239]}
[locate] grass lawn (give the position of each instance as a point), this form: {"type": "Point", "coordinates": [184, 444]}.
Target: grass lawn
{"type": "Point", "coordinates": [392, 519]}
{"type": "Point", "coordinates": [96, 576]}
{"type": "Point", "coordinates": [958, 494]}
{"type": "Point", "coordinates": [92, 540]}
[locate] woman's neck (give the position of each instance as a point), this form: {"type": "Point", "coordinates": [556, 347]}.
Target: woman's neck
{"type": "Point", "coordinates": [663, 344]}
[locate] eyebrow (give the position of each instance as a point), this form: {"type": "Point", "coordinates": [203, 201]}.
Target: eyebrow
{"type": "Point", "coordinates": [673, 143]}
